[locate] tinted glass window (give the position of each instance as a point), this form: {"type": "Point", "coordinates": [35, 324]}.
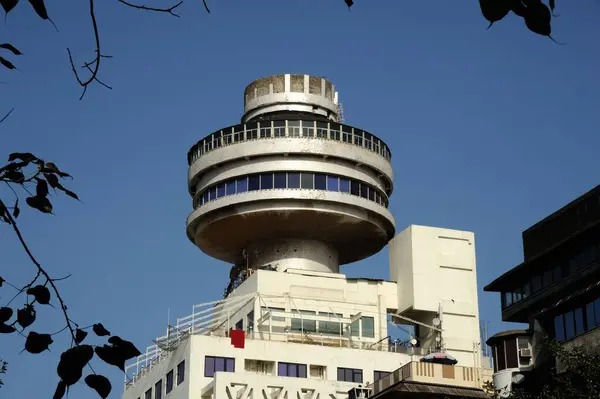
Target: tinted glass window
{"type": "Point", "coordinates": [307, 180]}
{"type": "Point", "coordinates": [333, 183]}
{"type": "Point", "coordinates": [253, 183]}
{"type": "Point", "coordinates": [230, 187]}
{"type": "Point", "coordinates": [148, 394]}
{"type": "Point", "coordinates": [364, 191]}
{"type": "Point", "coordinates": [512, 360]}
{"type": "Point", "coordinates": [280, 181]}
{"type": "Point", "coordinates": [169, 381]}
{"type": "Point", "coordinates": [559, 328]}
{"type": "Point", "coordinates": [266, 181]}
{"type": "Point", "coordinates": [320, 181]}
{"type": "Point", "coordinates": [354, 188]}
{"type": "Point", "coordinates": [294, 180]}
{"type": "Point", "coordinates": [579, 327]}
{"type": "Point", "coordinates": [221, 190]}
{"type": "Point", "coordinates": [368, 327]}
{"type": "Point", "coordinates": [597, 310]}
{"type": "Point", "coordinates": [242, 184]}
{"type": "Point", "coordinates": [158, 390]}
{"type": "Point", "coordinates": [180, 372]}
{"type": "Point", "coordinates": [344, 185]}
{"type": "Point", "coordinates": [590, 315]}
{"type": "Point", "coordinates": [212, 193]}
{"type": "Point", "coordinates": [569, 325]}
{"type": "Point", "coordinates": [501, 355]}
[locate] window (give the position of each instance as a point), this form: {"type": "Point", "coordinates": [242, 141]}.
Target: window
{"type": "Point", "coordinates": [559, 328]}
{"type": "Point", "coordinates": [306, 180]}
{"type": "Point", "coordinates": [579, 326]}
{"type": "Point", "coordinates": [180, 372]}
{"type": "Point", "coordinates": [242, 184]}
{"type": "Point", "coordinates": [213, 364]}
{"type": "Point", "coordinates": [331, 326]}
{"type": "Point", "coordinates": [230, 187]}
{"type": "Point", "coordinates": [294, 128]}
{"type": "Point", "coordinates": [280, 180]}
{"type": "Point", "coordinates": [239, 325]}
{"type": "Point", "coordinates": [253, 183]}
{"type": "Point", "coordinates": [344, 185]}
{"type": "Point", "coordinates": [158, 390]}
{"type": "Point", "coordinates": [508, 299]}
{"type": "Point", "coordinates": [590, 315]}
{"type": "Point", "coordinates": [569, 325]}
{"type": "Point", "coordinates": [301, 324]}
{"type": "Point", "coordinates": [320, 181]}
{"type": "Point", "coordinates": [512, 360]}
{"type": "Point", "coordinates": [266, 181]}
{"type": "Point", "coordinates": [349, 375]}
{"type": "Point", "coordinates": [354, 187]}
{"type": "Point", "coordinates": [291, 370]}
{"type": "Point", "coordinates": [148, 394]}
{"type": "Point", "coordinates": [212, 193]}
{"type": "Point", "coordinates": [501, 356]}
{"type": "Point", "coordinates": [333, 183]}
{"type": "Point", "coordinates": [379, 375]}
{"type": "Point", "coordinates": [368, 326]}
{"type": "Point", "coordinates": [294, 180]}
{"type": "Point", "coordinates": [364, 191]}
{"type": "Point", "coordinates": [169, 381]}
{"type": "Point", "coordinates": [597, 310]}
{"type": "Point", "coordinates": [250, 321]}
{"type": "Point", "coordinates": [526, 290]}
{"type": "Point", "coordinates": [221, 190]}
{"type": "Point", "coordinates": [355, 328]}
{"type": "Point", "coordinates": [279, 128]}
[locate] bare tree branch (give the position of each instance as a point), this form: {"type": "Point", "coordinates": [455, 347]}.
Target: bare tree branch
{"type": "Point", "coordinates": [7, 115]}
{"type": "Point", "coordinates": [168, 10]}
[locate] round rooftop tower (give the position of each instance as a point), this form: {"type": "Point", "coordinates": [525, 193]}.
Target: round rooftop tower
{"type": "Point", "coordinates": [290, 186]}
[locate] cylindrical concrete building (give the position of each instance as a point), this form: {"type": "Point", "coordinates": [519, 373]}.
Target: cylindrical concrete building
{"type": "Point", "coordinates": [290, 186]}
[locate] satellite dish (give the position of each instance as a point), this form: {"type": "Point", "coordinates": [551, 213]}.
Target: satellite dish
{"type": "Point", "coordinates": [436, 322]}
{"type": "Point", "coordinates": [413, 341]}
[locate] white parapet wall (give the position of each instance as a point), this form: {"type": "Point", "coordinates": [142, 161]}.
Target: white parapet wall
{"type": "Point", "coordinates": [435, 271]}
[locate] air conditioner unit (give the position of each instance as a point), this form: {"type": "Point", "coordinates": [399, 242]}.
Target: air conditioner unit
{"type": "Point", "coordinates": [526, 352]}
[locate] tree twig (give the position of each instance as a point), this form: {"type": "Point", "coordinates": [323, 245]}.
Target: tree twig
{"type": "Point", "coordinates": [7, 115]}
{"type": "Point", "coordinates": [168, 10]}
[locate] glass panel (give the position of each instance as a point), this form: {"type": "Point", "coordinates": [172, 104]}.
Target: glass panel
{"type": "Point", "coordinates": [597, 310]}
{"type": "Point", "coordinates": [242, 184]}
{"type": "Point", "coordinates": [212, 193]}
{"type": "Point", "coordinates": [219, 364]}
{"type": "Point", "coordinates": [517, 295]}
{"type": "Point", "coordinates": [364, 190]}
{"type": "Point", "coordinates": [294, 180]}
{"type": "Point", "coordinates": [180, 372]}
{"type": "Point", "coordinates": [344, 185]}
{"type": "Point", "coordinates": [307, 180]}
{"type": "Point", "coordinates": [320, 181]}
{"type": "Point", "coordinates": [298, 323]}
{"type": "Point", "coordinates": [579, 327]}
{"type": "Point", "coordinates": [294, 128]}
{"type": "Point", "coordinates": [590, 316]}
{"type": "Point", "coordinates": [340, 374]}
{"type": "Point", "coordinates": [348, 374]}
{"type": "Point", "coordinates": [569, 325]}
{"type": "Point", "coordinates": [354, 187]}
{"type": "Point", "coordinates": [333, 183]}
{"type": "Point", "coordinates": [266, 181]}
{"type": "Point", "coordinates": [501, 356]}
{"type": "Point", "coordinates": [149, 394]}
{"type": "Point", "coordinates": [205, 197]}
{"type": "Point", "coordinates": [508, 298]}
{"type": "Point", "coordinates": [559, 328]}
{"type": "Point", "coordinates": [302, 370]}
{"type": "Point", "coordinates": [230, 187]}
{"type": "Point", "coordinates": [253, 183]}
{"type": "Point", "coordinates": [221, 190]}
{"type": "Point", "coordinates": [331, 326]}
{"type": "Point", "coordinates": [512, 360]}
{"type": "Point", "coordinates": [170, 380]}
{"type": "Point", "coordinates": [230, 365]}
{"type": "Point", "coordinates": [526, 290]}
{"type": "Point", "coordinates": [536, 283]}
{"type": "Point", "coordinates": [292, 370]}
{"type": "Point", "coordinates": [355, 328]}
{"type": "Point", "coordinates": [357, 376]}
{"type": "Point", "coordinates": [371, 194]}
{"type": "Point", "coordinates": [368, 327]}
{"type": "Point", "coordinates": [158, 390]}
{"type": "Point", "coordinates": [282, 370]}
{"type": "Point", "coordinates": [280, 180]}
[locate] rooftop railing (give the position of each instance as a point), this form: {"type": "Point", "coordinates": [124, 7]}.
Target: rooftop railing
{"type": "Point", "coordinates": [289, 129]}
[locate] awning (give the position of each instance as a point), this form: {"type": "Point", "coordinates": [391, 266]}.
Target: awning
{"type": "Point", "coordinates": [431, 389]}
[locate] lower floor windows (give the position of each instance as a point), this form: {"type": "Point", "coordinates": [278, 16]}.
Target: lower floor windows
{"type": "Point", "coordinates": [349, 375]}
{"type": "Point", "coordinates": [577, 320]}
{"type": "Point", "coordinates": [291, 370]}
{"type": "Point", "coordinates": [379, 375]}
{"type": "Point", "coordinates": [212, 364]}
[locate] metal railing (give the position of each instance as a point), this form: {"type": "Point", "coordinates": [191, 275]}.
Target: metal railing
{"type": "Point", "coordinates": [289, 129]}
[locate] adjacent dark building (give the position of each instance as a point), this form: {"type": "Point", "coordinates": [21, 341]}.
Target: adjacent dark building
{"type": "Point", "coordinates": [556, 290]}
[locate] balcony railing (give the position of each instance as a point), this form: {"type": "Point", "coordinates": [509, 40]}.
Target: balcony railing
{"type": "Point", "coordinates": [289, 129]}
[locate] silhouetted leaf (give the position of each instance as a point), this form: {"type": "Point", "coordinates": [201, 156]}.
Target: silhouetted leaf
{"type": "Point", "coordinates": [111, 355]}
{"type": "Point", "coordinates": [8, 5]}
{"type": "Point", "coordinates": [80, 335]}
{"type": "Point", "coordinates": [40, 8]}
{"type": "Point", "coordinates": [61, 389]}
{"type": "Point", "coordinates": [41, 188]}
{"type": "Point", "coordinates": [349, 3]}
{"type": "Point", "coordinates": [552, 5]}
{"type": "Point", "coordinates": [6, 63]}
{"type": "Point", "coordinates": [23, 156]}
{"type": "Point", "coordinates": [3, 212]}
{"type": "Point", "coordinates": [538, 18]}
{"type": "Point", "coordinates": [14, 175]}
{"type": "Point", "coordinates": [51, 167]}
{"type": "Point", "coordinates": [52, 180]}
{"type": "Point", "coordinates": [494, 10]}
{"type": "Point", "coordinates": [5, 314]}
{"type": "Point", "coordinates": [518, 8]}
{"type": "Point", "coordinates": [10, 48]}
{"type": "Point", "coordinates": [6, 329]}
{"type": "Point", "coordinates": [100, 384]}
{"type": "Point", "coordinates": [40, 203]}
{"type": "Point", "coordinates": [71, 194]}
{"type": "Point", "coordinates": [26, 316]}
{"type": "Point", "coordinates": [126, 348]}
{"type": "Point", "coordinates": [37, 343]}
{"type": "Point", "coordinates": [99, 330]}
{"type": "Point", "coordinates": [72, 362]}
{"type": "Point", "coordinates": [1, 281]}
{"type": "Point", "coordinates": [16, 209]}
{"type": "Point", "coordinates": [40, 293]}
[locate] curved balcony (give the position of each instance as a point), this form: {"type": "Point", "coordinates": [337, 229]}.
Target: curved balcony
{"type": "Point", "coordinates": [318, 130]}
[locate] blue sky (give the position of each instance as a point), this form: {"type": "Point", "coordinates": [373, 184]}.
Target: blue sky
{"type": "Point", "coordinates": [490, 131]}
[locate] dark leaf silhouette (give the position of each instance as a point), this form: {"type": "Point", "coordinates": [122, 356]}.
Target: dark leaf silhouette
{"type": "Point", "coordinates": [61, 389]}
{"type": "Point", "coordinates": [72, 362]}
{"type": "Point", "coordinates": [10, 48]}
{"type": "Point", "coordinates": [6, 63]}
{"type": "Point", "coordinates": [52, 180]}
{"type": "Point", "coordinates": [349, 3]}
{"type": "Point", "coordinates": [42, 204]}
{"type": "Point", "coordinates": [51, 167]}
{"type": "Point", "coordinates": [552, 5]}
{"type": "Point", "coordinates": [37, 343]}
{"type": "Point", "coordinates": [8, 5]}
{"type": "Point", "coordinates": [100, 384]}
{"type": "Point", "coordinates": [40, 293]}
{"type": "Point", "coordinates": [127, 349]}
{"type": "Point", "coordinates": [71, 194]}
{"type": "Point", "coordinates": [41, 189]}
{"type": "Point", "coordinates": [23, 156]}
{"type": "Point", "coordinates": [40, 8]}
{"type": "Point", "coordinates": [16, 209]}
{"type": "Point", "coordinates": [80, 335]}
{"type": "Point", "coordinates": [6, 329]}
{"type": "Point", "coordinates": [518, 8]}
{"type": "Point", "coordinates": [14, 175]}
{"type": "Point", "coordinates": [111, 355]}
{"type": "Point", "coordinates": [494, 10]}
{"type": "Point", "coordinates": [26, 316]}
{"type": "Point", "coordinates": [1, 281]}
{"type": "Point", "coordinates": [5, 314]}
{"type": "Point", "coordinates": [99, 330]}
